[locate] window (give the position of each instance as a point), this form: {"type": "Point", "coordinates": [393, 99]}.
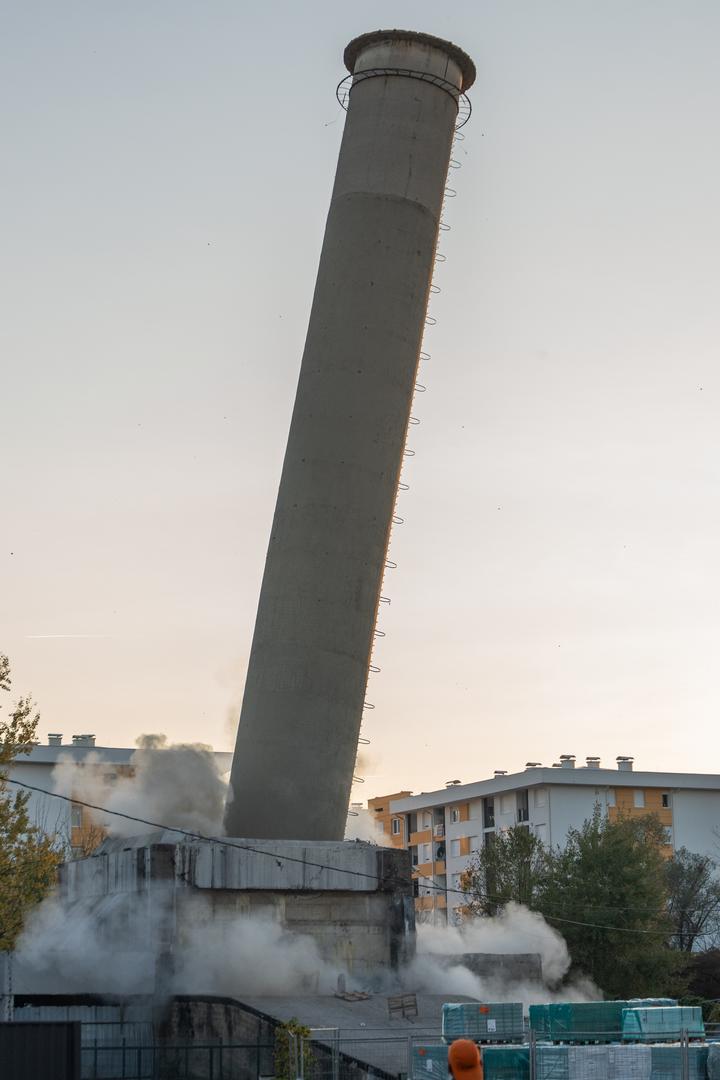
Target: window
{"type": "Point", "coordinates": [489, 814]}
{"type": "Point", "coordinates": [611, 796]}
{"type": "Point", "coordinates": [541, 833]}
{"type": "Point", "coordinates": [665, 799]}
{"type": "Point", "coordinates": [75, 816]}
{"type": "Point", "coordinates": [523, 812]}
{"type": "Point", "coordinates": [668, 837]}
{"type": "Point", "coordinates": [456, 881]}
{"type": "Point", "coordinates": [379, 827]}
{"type": "Point", "coordinates": [506, 804]}
{"type": "Point", "coordinates": [427, 820]}
{"type": "Point", "coordinates": [454, 815]}
{"type": "Point", "coordinates": [639, 800]}
{"type": "Point", "coordinates": [396, 826]}
{"type": "Point", "coordinates": [454, 848]}
{"type": "Point", "coordinates": [475, 843]}
{"type": "Point", "coordinates": [540, 797]}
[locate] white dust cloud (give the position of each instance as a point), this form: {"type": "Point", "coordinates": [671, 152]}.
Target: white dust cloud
{"type": "Point", "coordinates": [516, 930]}
{"type": "Point", "coordinates": [176, 786]}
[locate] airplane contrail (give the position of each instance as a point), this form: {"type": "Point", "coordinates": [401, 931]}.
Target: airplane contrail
{"type": "Point", "coordinates": [43, 637]}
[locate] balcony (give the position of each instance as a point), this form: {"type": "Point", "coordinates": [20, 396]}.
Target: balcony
{"type": "Point", "coordinates": [423, 837]}
{"type": "Point", "coordinates": [422, 870]}
{"type": "Point", "coordinates": [439, 832]}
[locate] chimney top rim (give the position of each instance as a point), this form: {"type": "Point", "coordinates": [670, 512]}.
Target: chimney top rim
{"type": "Point", "coordinates": [373, 37]}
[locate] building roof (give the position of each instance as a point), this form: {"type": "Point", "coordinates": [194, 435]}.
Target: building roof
{"type": "Point", "coordinates": [366, 1019]}
{"type": "Point", "coordinates": [50, 755]}
{"type": "Point", "coordinates": [583, 776]}
{"type": "Point", "coordinates": [109, 755]}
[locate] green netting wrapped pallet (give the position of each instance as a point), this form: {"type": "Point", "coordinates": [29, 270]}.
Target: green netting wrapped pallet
{"type": "Point", "coordinates": [489, 1021]}
{"type": "Point", "coordinates": [588, 1021]}
{"type": "Point", "coordinates": [596, 1062]}
{"type": "Point", "coordinates": [430, 1061]}
{"type": "Point", "coordinates": [539, 1021]}
{"type": "Point", "coordinates": [667, 1062]}
{"type": "Point", "coordinates": [506, 1062]}
{"type": "Point", "coordinates": [657, 1024]}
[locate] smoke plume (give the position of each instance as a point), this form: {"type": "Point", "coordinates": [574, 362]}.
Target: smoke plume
{"type": "Point", "coordinates": [81, 948]}
{"type": "Point", "coordinates": [178, 786]}
{"type": "Point", "coordinates": [515, 930]}
{"type": "Point", "coordinates": [85, 949]}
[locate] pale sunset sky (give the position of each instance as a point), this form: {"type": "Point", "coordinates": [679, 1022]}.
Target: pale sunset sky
{"type": "Point", "coordinates": [167, 171]}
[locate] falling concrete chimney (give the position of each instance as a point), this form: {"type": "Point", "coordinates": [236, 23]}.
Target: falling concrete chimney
{"type": "Point", "coordinates": [303, 703]}
{"type": "Point", "coordinates": [567, 761]}
{"type": "Point", "coordinates": [54, 739]}
{"type": "Point", "coordinates": [625, 764]}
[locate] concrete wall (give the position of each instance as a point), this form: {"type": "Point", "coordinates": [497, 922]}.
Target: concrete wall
{"type": "Point", "coordinates": [308, 668]}
{"type": "Point", "coordinates": [148, 893]}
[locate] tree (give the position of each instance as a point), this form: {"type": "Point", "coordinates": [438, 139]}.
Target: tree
{"type": "Point", "coordinates": [513, 866]}
{"type": "Point", "coordinates": [607, 894]}
{"type": "Point", "coordinates": [704, 975]}
{"type": "Point", "coordinates": [292, 1039]}
{"type": "Point", "coordinates": [693, 900]}
{"type": "Point", "coordinates": [28, 857]}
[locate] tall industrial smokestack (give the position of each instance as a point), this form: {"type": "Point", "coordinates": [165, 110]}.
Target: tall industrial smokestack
{"type": "Point", "coordinates": [297, 739]}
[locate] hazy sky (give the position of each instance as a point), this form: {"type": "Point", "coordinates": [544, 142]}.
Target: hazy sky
{"type": "Point", "coordinates": [167, 167]}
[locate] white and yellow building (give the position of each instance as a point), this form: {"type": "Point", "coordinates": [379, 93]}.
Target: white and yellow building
{"type": "Point", "coordinates": [443, 829]}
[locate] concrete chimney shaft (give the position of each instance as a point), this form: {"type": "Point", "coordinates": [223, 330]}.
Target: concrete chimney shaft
{"type": "Point", "coordinates": [303, 703]}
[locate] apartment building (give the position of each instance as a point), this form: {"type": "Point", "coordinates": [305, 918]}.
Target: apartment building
{"type": "Point", "coordinates": [71, 822]}
{"type": "Point", "coordinates": [443, 829]}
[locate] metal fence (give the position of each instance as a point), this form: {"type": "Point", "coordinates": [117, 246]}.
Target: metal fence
{"type": "Point", "coordinates": [113, 1051]}
{"type": "Point", "coordinates": [191, 1061]}
{"type": "Point", "coordinates": [331, 1054]}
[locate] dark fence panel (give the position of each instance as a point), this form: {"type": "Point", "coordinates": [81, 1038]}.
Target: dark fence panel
{"type": "Point", "coordinates": [48, 1050]}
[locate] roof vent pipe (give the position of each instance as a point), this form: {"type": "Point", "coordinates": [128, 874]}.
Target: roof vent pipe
{"type": "Point", "coordinates": [567, 761]}
{"type": "Point", "coordinates": [625, 764]}
{"type": "Point", "coordinates": [501, 772]}
{"type": "Point", "coordinates": [533, 764]}
{"type": "Point", "coordinates": [592, 762]}
{"type": "Point", "coordinates": [54, 739]}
